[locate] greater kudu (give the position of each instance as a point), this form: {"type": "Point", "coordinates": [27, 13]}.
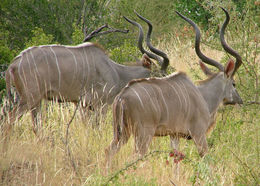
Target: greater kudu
{"type": "Point", "coordinates": [174, 105]}
{"type": "Point", "coordinates": [65, 73]}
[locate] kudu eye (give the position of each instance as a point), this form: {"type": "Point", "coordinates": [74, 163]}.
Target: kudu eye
{"type": "Point", "coordinates": [234, 84]}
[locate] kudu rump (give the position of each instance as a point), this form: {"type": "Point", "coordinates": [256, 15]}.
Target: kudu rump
{"type": "Point", "coordinates": [65, 73]}
{"type": "Point", "coordinates": [174, 105]}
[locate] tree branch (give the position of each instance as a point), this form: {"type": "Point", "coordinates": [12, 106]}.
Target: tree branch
{"type": "Point", "coordinates": [98, 32]}
{"type": "Point", "coordinates": [253, 102]}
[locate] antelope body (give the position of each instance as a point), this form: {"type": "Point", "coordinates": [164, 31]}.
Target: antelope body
{"type": "Point", "coordinates": [173, 105]}
{"type": "Point", "coordinates": [65, 73]}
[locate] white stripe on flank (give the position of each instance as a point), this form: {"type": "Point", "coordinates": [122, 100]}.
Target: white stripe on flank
{"type": "Point", "coordinates": [159, 109]}
{"type": "Point", "coordinates": [166, 106]}
{"type": "Point", "coordinates": [19, 70]}
{"type": "Point", "coordinates": [76, 65]}
{"type": "Point", "coordinates": [36, 77]}
{"type": "Point", "coordinates": [137, 96]}
{"type": "Point", "coordinates": [25, 80]}
{"type": "Point", "coordinates": [94, 63]}
{"type": "Point", "coordinates": [34, 62]}
{"type": "Point", "coordinates": [150, 98]}
{"type": "Point", "coordinates": [86, 57]}
{"type": "Point", "coordinates": [176, 92]}
{"type": "Point", "coordinates": [56, 59]}
{"type": "Point", "coordinates": [181, 91]}
{"type": "Point", "coordinates": [29, 64]}
{"type": "Point", "coordinates": [188, 97]}
{"type": "Point", "coordinates": [48, 70]}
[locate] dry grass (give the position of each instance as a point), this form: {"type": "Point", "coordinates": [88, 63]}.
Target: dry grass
{"type": "Point", "coordinates": [233, 157]}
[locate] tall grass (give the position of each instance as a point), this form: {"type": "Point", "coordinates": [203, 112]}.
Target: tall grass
{"type": "Point", "coordinates": [46, 159]}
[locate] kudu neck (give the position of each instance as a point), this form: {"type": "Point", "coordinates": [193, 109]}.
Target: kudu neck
{"type": "Point", "coordinates": [128, 73]}
{"type": "Point", "coordinates": [212, 91]}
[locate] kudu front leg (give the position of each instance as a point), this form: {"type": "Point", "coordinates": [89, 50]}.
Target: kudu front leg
{"type": "Point", "coordinates": [143, 140]}
{"type": "Point", "coordinates": [175, 141]}
{"type": "Point", "coordinates": [201, 143]}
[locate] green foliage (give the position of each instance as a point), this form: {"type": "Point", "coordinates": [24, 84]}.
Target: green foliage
{"type": "Point", "coordinates": [54, 17]}
{"type": "Point", "coordinates": [156, 11]}
{"type": "Point", "coordinates": [2, 85]}
{"type": "Point", "coordinates": [77, 35]}
{"type": "Point", "coordinates": [203, 172]}
{"type": "Point", "coordinates": [243, 37]}
{"type": "Point", "coordinates": [128, 52]}
{"type": "Point", "coordinates": [6, 55]}
{"type": "Point", "coordinates": [39, 38]}
{"type": "Point", "coordinates": [194, 10]}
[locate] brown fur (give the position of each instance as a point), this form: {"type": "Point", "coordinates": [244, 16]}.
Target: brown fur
{"type": "Point", "coordinates": [57, 72]}
{"type": "Point", "coordinates": [159, 113]}
{"type": "Point", "coordinates": [200, 82]}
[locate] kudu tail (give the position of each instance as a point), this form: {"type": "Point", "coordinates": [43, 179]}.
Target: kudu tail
{"type": "Point", "coordinates": [121, 126]}
{"type": "Point", "coordinates": [8, 83]}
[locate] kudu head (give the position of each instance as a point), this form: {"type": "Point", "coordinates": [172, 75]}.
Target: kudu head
{"type": "Point", "coordinates": [164, 61]}
{"type": "Point", "coordinates": [225, 74]}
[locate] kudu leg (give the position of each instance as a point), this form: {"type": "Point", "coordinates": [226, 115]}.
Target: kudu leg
{"type": "Point", "coordinates": [201, 143]}
{"type": "Point", "coordinates": [113, 149]}
{"type": "Point", "coordinates": [143, 140]}
{"type": "Point", "coordinates": [16, 113]}
{"type": "Point", "coordinates": [83, 112]}
{"type": "Point", "coordinates": [175, 141]}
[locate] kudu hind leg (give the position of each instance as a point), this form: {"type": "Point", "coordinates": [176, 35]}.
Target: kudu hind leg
{"type": "Point", "coordinates": [36, 118]}
{"type": "Point", "coordinates": [13, 115]}
{"type": "Point", "coordinates": [17, 112]}
{"type": "Point", "coordinates": [114, 148]}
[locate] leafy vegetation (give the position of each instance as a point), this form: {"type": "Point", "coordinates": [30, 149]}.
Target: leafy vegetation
{"type": "Point", "coordinates": [233, 157]}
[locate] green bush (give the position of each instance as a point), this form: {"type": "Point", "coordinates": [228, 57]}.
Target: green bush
{"type": "Point", "coordinates": [127, 52]}
{"type": "Point", "coordinates": [2, 84]}
{"type": "Point", "coordinates": [77, 35]}
{"type": "Point", "coordinates": [39, 38]}
{"type": "Point", "coordinates": [6, 55]}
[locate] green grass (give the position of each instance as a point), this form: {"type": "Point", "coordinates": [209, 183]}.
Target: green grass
{"type": "Point", "coordinates": [233, 156]}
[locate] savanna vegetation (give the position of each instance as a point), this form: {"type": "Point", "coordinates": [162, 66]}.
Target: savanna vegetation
{"type": "Point", "coordinates": [70, 151]}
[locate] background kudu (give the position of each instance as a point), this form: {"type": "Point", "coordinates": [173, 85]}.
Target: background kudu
{"type": "Point", "coordinates": [173, 105]}
{"type": "Point", "coordinates": [65, 73]}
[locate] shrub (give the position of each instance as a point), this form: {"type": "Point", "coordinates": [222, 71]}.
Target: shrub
{"type": "Point", "coordinates": [39, 38]}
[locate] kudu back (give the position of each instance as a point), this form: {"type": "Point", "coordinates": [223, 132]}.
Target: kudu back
{"type": "Point", "coordinates": [174, 105]}
{"type": "Point", "coordinates": [67, 73]}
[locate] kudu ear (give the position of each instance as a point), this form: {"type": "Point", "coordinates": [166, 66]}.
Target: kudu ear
{"type": "Point", "coordinates": [205, 69]}
{"type": "Point", "coordinates": [146, 61]}
{"type": "Point", "coordinates": [230, 66]}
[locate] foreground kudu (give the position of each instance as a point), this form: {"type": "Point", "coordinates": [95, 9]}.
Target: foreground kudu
{"type": "Point", "coordinates": [173, 105]}
{"type": "Point", "coordinates": [64, 73]}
